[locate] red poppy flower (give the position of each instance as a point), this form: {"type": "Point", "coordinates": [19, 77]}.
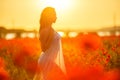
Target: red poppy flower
{"type": "Point", "coordinates": [89, 42]}
{"type": "Point", "coordinates": [19, 58]}
{"type": "Point", "coordinates": [31, 66]}
{"type": "Point", "coordinates": [112, 75]}
{"type": "Point", "coordinates": [4, 74]}
{"type": "Point", "coordinates": [2, 62]}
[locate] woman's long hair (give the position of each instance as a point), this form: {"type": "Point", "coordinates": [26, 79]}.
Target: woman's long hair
{"type": "Point", "coordinates": [47, 16]}
{"type": "Point", "coordinates": [46, 20]}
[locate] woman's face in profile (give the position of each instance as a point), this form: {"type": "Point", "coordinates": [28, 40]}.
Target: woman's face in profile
{"type": "Point", "coordinates": [51, 17]}
{"type": "Point", "coordinates": [54, 17]}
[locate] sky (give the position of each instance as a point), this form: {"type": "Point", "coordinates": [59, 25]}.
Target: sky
{"type": "Point", "coordinates": [71, 14]}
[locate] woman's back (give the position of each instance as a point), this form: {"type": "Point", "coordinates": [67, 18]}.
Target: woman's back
{"type": "Point", "coordinates": [46, 37]}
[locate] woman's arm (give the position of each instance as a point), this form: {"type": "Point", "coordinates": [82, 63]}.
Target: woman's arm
{"type": "Point", "coordinates": [46, 37]}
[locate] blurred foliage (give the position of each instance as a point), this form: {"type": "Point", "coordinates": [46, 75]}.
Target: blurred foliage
{"type": "Point", "coordinates": [111, 53]}
{"type": "Point", "coordinates": [85, 55]}
{"type": "Point", "coordinates": [14, 71]}
{"type": "Point", "coordinates": [20, 61]}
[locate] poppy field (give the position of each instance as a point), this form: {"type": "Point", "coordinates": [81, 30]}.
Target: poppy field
{"type": "Point", "coordinates": [87, 57]}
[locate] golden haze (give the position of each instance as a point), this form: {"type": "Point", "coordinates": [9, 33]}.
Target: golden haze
{"type": "Point", "coordinates": [78, 14]}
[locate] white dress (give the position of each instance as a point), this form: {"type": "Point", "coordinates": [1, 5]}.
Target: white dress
{"type": "Point", "coordinates": [51, 61]}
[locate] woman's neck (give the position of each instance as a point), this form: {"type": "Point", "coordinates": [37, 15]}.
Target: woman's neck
{"type": "Point", "coordinates": [49, 25]}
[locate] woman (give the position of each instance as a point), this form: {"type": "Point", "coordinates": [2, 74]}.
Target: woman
{"type": "Point", "coordinates": [51, 63]}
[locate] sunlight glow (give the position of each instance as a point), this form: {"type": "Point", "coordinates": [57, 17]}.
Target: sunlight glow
{"type": "Point", "coordinates": [23, 35]}
{"type": "Point", "coordinates": [57, 4]}
{"type": "Point", "coordinates": [10, 36]}
{"type": "Point", "coordinates": [72, 34]}
{"type": "Point", "coordinates": [30, 35]}
{"type": "Point", "coordinates": [117, 33]}
{"type": "Point", "coordinates": [62, 34]}
{"type": "Point", "coordinates": [104, 33]}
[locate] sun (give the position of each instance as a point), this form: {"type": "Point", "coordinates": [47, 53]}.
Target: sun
{"type": "Point", "coordinates": [57, 4]}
